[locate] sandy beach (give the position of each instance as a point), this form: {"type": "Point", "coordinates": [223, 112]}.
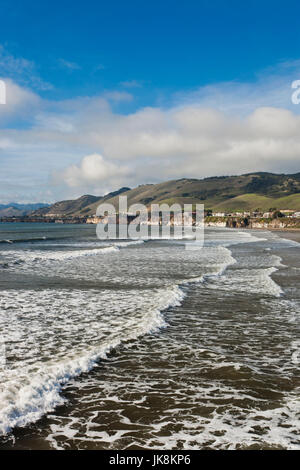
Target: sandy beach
{"type": "Point", "coordinates": [293, 235]}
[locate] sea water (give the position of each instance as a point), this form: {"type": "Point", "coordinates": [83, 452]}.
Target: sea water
{"type": "Point", "coordinates": [130, 344]}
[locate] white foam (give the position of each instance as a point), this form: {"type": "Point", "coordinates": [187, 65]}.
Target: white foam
{"type": "Point", "coordinates": [33, 388]}
{"type": "Point", "coordinates": [61, 334]}
{"type": "Point", "coordinates": [254, 273]}
{"type": "Point", "coordinates": [38, 255]}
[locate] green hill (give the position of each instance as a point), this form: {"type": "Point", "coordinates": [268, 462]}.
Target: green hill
{"type": "Point", "coordinates": [256, 201]}
{"type": "Point", "coordinates": [245, 192]}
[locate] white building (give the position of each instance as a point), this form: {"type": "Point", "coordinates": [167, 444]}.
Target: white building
{"type": "Point", "coordinates": [218, 214]}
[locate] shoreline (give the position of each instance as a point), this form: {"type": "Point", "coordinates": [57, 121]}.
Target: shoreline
{"type": "Point", "coordinates": [289, 234]}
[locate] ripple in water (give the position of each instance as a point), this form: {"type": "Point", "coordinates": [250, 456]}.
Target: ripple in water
{"type": "Point", "coordinates": [149, 345]}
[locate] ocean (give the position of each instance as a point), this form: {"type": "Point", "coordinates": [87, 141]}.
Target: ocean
{"type": "Point", "coordinates": [143, 344]}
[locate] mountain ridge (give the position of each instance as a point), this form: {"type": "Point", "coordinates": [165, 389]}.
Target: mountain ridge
{"type": "Point", "coordinates": [16, 209]}
{"type": "Point", "coordinates": [251, 191]}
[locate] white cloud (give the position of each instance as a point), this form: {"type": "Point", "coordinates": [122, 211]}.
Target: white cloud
{"type": "Point", "coordinates": [69, 65]}
{"type": "Point", "coordinates": [188, 142]}
{"type": "Point", "coordinates": [132, 84]}
{"type": "Point", "coordinates": [191, 142]}
{"type": "Point", "coordinates": [219, 130]}
{"type": "Point", "coordinates": [118, 96]}
{"type": "Point", "coordinates": [21, 103]}
{"type": "Point", "coordinates": [92, 169]}
{"type": "Point", "coordinates": [21, 70]}
{"type": "Point", "coordinates": [271, 87]}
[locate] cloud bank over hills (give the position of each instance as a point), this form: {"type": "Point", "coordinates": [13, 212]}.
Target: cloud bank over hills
{"type": "Point", "coordinates": [52, 150]}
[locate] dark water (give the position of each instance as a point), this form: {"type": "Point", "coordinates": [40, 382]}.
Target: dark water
{"type": "Point", "coordinates": [128, 345]}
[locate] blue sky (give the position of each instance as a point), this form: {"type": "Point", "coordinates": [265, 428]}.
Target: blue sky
{"type": "Point", "coordinates": [101, 94]}
{"type": "Point", "coordinates": [81, 48]}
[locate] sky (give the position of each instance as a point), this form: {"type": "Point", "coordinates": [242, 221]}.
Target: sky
{"type": "Point", "coordinates": [101, 95]}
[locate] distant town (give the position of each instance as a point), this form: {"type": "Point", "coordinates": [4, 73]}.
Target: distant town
{"type": "Point", "coordinates": [273, 218]}
{"type": "Point", "coordinates": [254, 200]}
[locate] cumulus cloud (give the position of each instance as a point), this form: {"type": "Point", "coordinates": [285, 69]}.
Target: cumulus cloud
{"type": "Point", "coordinates": [189, 142]}
{"type": "Point", "coordinates": [196, 135]}
{"type": "Point", "coordinates": [92, 169]}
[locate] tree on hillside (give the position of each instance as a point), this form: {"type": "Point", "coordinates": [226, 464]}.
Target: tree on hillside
{"type": "Point", "coordinates": [277, 215]}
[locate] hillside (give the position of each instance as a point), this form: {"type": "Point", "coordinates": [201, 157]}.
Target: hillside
{"type": "Point", "coordinates": [244, 192]}
{"type": "Point", "coordinates": [80, 206]}
{"type": "Point", "coordinates": [255, 201]}
{"type": "Point", "coordinates": [15, 209]}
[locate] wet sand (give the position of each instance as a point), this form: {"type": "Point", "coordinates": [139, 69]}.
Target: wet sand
{"type": "Point", "coordinates": [289, 234]}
